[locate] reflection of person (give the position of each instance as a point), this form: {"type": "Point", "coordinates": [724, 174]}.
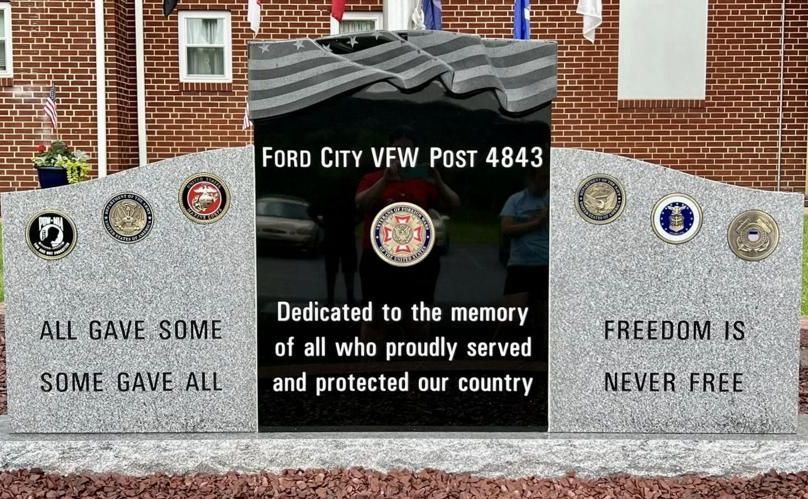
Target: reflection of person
{"type": "Point", "coordinates": [383, 283]}
{"type": "Point", "coordinates": [524, 222]}
{"type": "Point", "coordinates": [336, 214]}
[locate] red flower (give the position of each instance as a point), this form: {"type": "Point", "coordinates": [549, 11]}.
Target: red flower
{"type": "Point", "coordinates": [41, 148]}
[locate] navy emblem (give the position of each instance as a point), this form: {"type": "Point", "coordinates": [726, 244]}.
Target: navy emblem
{"type": "Point", "coordinates": [402, 234]}
{"type": "Point", "coordinates": [128, 217]}
{"type": "Point", "coordinates": [753, 235]}
{"type": "Point", "coordinates": [204, 198]}
{"type": "Point", "coordinates": [51, 235]}
{"type": "Point", "coordinates": [600, 199]}
{"type": "Point", "coordinates": [676, 218]}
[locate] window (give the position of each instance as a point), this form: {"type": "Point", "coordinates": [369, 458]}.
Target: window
{"type": "Point", "coordinates": [663, 49]}
{"type": "Point", "coordinates": [5, 40]}
{"type": "Point", "coordinates": [205, 47]}
{"type": "Point", "coordinates": [357, 22]}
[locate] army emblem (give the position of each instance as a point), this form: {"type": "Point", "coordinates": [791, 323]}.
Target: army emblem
{"type": "Point", "coordinates": [402, 234]}
{"type": "Point", "coordinates": [128, 217]}
{"type": "Point", "coordinates": [676, 218]}
{"type": "Point", "coordinates": [753, 235]}
{"type": "Point", "coordinates": [204, 198]}
{"type": "Point", "coordinates": [51, 235]}
{"type": "Point", "coordinates": [600, 199]}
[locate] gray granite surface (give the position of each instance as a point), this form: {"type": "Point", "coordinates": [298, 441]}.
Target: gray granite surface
{"type": "Point", "coordinates": [181, 271]}
{"type": "Point", "coordinates": [623, 271]}
{"type": "Point", "coordinates": [484, 454]}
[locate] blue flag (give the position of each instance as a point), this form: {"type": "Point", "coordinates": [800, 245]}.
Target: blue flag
{"type": "Point", "coordinates": [433, 14]}
{"type": "Point", "coordinates": [521, 19]}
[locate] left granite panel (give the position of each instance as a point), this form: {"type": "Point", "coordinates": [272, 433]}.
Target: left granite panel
{"type": "Point", "coordinates": [156, 335]}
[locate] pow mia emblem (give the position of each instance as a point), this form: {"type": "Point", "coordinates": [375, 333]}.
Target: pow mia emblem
{"type": "Point", "coordinates": [128, 217]}
{"type": "Point", "coordinates": [402, 234]}
{"type": "Point", "coordinates": [51, 235]}
{"type": "Point", "coordinates": [204, 198]}
{"type": "Point", "coordinates": [753, 235]}
{"type": "Point", "coordinates": [600, 199]}
{"type": "Point", "coordinates": [676, 218]}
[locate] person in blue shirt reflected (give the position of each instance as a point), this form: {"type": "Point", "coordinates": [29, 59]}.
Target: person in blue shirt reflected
{"type": "Point", "coordinates": [524, 221]}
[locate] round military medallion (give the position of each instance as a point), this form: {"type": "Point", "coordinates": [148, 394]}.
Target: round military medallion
{"type": "Point", "coordinates": [676, 218]}
{"type": "Point", "coordinates": [204, 198]}
{"type": "Point", "coordinates": [51, 235]}
{"type": "Point", "coordinates": [402, 234]}
{"type": "Point", "coordinates": [128, 217]}
{"type": "Point", "coordinates": [753, 235]}
{"type": "Point", "coordinates": [600, 199]}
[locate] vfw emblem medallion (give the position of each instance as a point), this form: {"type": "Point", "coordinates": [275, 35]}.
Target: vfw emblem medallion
{"type": "Point", "coordinates": [51, 235]}
{"type": "Point", "coordinates": [204, 198]}
{"type": "Point", "coordinates": [676, 218]}
{"type": "Point", "coordinates": [402, 234]}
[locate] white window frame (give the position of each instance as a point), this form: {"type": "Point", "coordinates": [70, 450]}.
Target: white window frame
{"type": "Point", "coordinates": [184, 15]}
{"type": "Point", "coordinates": [376, 17]}
{"type": "Point", "coordinates": [9, 71]}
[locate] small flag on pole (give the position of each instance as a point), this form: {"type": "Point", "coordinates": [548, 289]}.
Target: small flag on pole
{"type": "Point", "coordinates": [50, 107]}
{"type": "Point", "coordinates": [592, 10]}
{"type": "Point", "coordinates": [246, 123]}
{"type": "Point", "coordinates": [169, 6]}
{"type": "Point", "coordinates": [254, 15]}
{"type": "Point", "coordinates": [521, 20]}
{"type": "Point", "coordinates": [337, 9]}
{"type": "Point", "coordinates": [433, 14]}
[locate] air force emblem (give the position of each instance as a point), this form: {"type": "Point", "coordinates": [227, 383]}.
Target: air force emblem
{"type": "Point", "coordinates": [676, 218]}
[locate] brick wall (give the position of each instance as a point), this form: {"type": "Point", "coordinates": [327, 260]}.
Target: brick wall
{"type": "Point", "coordinates": [732, 136]}
{"type": "Point", "coordinates": [53, 41]}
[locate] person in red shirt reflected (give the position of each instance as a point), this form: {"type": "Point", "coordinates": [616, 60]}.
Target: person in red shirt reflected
{"type": "Point", "coordinates": [381, 282]}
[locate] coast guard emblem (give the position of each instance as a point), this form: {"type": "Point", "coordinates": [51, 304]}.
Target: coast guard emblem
{"type": "Point", "coordinates": [600, 199]}
{"type": "Point", "coordinates": [402, 234]}
{"type": "Point", "coordinates": [51, 235]}
{"type": "Point", "coordinates": [676, 218]}
{"type": "Point", "coordinates": [753, 235]}
{"type": "Point", "coordinates": [204, 198]}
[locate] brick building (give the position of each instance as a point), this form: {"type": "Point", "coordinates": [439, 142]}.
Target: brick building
{"type": "Point", "coordinates": [737, 111]}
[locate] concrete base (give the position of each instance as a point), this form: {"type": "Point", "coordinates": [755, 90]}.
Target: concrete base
{"type": "Point", "coordinates": [484, 454]}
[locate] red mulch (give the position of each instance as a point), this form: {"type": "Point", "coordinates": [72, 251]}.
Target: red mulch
{"type": "Point", "coordinates": [359, 483]}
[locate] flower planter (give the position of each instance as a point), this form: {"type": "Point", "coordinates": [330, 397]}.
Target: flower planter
{"type": "Point", "coordinates": [51, 176]}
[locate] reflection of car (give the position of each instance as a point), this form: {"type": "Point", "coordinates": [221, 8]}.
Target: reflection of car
{"type": "Point", "coordinates": [284, 221]}
{"type": "Point", "coordinates": [441, 223]}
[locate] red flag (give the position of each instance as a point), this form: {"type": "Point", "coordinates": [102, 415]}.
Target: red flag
{"type": "Point", "coordinates": [337, 9]}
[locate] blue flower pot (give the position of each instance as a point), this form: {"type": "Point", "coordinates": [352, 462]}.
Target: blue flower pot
{"type": "Point", "coordinates": [51, 176]}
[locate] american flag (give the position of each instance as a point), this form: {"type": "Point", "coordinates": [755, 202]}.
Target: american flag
{"type": "Point", "coordinates": [50, 107]}
{"type": "Point", "coordinates": [246, 123]}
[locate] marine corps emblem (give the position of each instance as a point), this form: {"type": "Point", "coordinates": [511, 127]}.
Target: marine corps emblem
{"type": "Point", "coordinates": [402, 234]}
{"type": "Point", "coordinates": [600, 199]}
{"type": "Point", "coordinates": [753, 235]}
{"type": "Point", "coordinates": [128, 217]}
{"type": "Point", "coordinates": [676, 218]}
{"type": "Point", "coordinates": [204, 198]}
{"type": "Point", "coordinates": [51, 235]}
